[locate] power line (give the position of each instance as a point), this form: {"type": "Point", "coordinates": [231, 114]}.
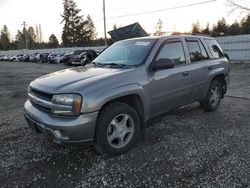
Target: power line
{"type": "Point", "coordinates": [159, 10]}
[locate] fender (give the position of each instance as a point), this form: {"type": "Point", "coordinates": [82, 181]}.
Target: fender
{"type": "Point", "coordinates": [98, 101]}
{"type": "Point", "coordinates": [212, 75]}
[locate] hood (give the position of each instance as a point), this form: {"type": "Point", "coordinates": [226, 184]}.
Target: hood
{"type": "Point", "coordinates": [61, 81]}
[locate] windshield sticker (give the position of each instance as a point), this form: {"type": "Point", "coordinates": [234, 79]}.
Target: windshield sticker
{"type": "Point", "coordinates": [142, 43]}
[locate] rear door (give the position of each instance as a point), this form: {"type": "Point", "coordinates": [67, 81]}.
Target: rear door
{"type": "Point", "coordinates": [200, 67]}
{"type": "Point", "coordinates": [170, 88]}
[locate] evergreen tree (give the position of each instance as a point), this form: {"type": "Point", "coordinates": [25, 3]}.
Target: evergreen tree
{"type": "Point", "coordinates": [53, 42]}
{"type": "Point", "coordinates": [88, 31]}
{"type": "Point", "coordinates": [196, 28]}
{"type": "Point", "coordinates": [206, 31]}
{"type": "Point", "coordinates": [20, 39]}
{"type": "Point", "coordinates": [31, 37]}
{"type": "Point", "coordinates": [245, 24]}
{"type": "Point", "coordinates": [158, 29]}
{"type": "Point", "coordinates": [221, 27]}
{"type": "Point", "coordinates": [5, 38]}
{"type": "Point", "coordinates": [72, 23]}
{"type": "Point", "coordinates": [234, 29]}
{"type": "Point", "coordinates": [76, 30]}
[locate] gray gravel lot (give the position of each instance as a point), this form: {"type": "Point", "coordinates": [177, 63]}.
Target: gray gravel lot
{"type": "Point", "coordinates": [184, 148]}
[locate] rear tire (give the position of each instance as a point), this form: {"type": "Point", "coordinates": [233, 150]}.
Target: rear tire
{"type": "Point", "coordinates": [118, 127]}
{"type": "Point", "coordinates": [213, 98]}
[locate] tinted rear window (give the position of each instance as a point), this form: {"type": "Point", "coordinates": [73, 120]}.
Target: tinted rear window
{"type": "Point", "coordinates": [196, 50]}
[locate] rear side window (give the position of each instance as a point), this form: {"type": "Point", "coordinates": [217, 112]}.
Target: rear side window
{"type": "Point", "coordinates": [214, 48]}
{"type": "Point", "coordinates": [196, 50]}
{"type": "Point", "coordinates": [174, 51]}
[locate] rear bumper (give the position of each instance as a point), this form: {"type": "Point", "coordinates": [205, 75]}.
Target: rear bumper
{"type": "Point", "coordinates": [62, 130]}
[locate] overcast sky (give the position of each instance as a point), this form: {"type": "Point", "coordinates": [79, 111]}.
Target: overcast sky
{"type": "Point", "coordinates": [47, 13]}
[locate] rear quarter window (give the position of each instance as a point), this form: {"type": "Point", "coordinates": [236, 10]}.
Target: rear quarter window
{"type": "Point", "coordinates": [214, 48]}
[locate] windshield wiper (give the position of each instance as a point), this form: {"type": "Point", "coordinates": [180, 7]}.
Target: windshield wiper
{"type": "Point", "coordinates": [97, 64]}
{"type": "Point", "coordinates": [120, 65]}
{"type": "Point", "coordinates": [111, 64]}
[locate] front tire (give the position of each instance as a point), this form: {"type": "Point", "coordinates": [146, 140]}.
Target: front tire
{"type": "Point", "coordinates": [118, 127]}
{"type": "Point", "coordinates": [213, 97]}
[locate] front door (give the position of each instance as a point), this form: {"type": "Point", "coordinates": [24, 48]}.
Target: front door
{"type": "Point", "coordinates": [170, 88]}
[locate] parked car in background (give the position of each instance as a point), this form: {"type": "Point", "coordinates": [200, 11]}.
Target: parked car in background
{"type": "Point", "coordinates": [16, 57]}
{"type": "Point", "coordinates": [32, 57]}
{"type": "Point", "coordinates": [25, 58]}
{"type": "Point", "coordinates": [51, 57]}
{"type": "Point", "coordinates": [58, 58]}
{"type": "Point", "coordinates": [68, 58]}
{"type": "Point", "coordinates": [1, 57]}
{"type": "Point", "coordinates": [88, 57]}
{"type": "Point", "coordinates": [43, 58]}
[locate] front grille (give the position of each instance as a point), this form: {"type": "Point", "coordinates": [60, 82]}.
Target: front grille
{"type": "Point", "coordinates": [38, 98]}
{"type": "Point", "coordinates": [42, 95]}
{"type": "Point", "coordinates": [42, 108]}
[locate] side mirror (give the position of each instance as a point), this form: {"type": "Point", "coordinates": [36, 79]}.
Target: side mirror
{"type": "Point", "coordinates": [163, 63]}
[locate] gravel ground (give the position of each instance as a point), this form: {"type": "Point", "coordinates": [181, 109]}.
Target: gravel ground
{"type": "Point", "coordinates": [183, 148]}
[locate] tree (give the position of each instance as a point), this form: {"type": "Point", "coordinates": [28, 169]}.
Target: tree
{"type": "Point", "coordinates": [238, 6]}
{"type": "Point", "coordinates": [38, 32]}
{"type": "Point", "coordinates": [158, 29]}
{"type": "Point", "coordinates": [5, 38]}
{"type": "Point", "coordinates": [245, 24]}
{"type": "Point", "coordinates": [88, 30]}
{"type": "Point", "coordinates": [20, 39]}
{"type": "Point", "coordinates": [220, 28]}
{"type": "Point", "coordinates": [76, 30]}
{"type": "Point", "coordinates": [196, 28]}
{"type": "Point", "coordinates": [206, 31]}
{"type": "Point", "coordinates": [72, 21]}
{"type": "Point", "coordinates": [234, 29]}
{"type": "Point", "coordinates": [31, 37]}
{"type": "Point", "coordinates": [28, 35]}
{"type": "Point", "coordinates": [53, 42]}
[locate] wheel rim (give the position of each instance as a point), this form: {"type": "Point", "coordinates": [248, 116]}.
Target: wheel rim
{"type": "Point", "coordinates": [215, 96]}
{"type": "Point", "coordinates": [120, 130]}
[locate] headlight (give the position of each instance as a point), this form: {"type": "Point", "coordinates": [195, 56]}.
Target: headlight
{"type": "Point", "coordinates": [66, 104]}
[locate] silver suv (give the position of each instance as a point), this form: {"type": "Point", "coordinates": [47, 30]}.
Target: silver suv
{"type": "Point", "coordinates": [109, 101]}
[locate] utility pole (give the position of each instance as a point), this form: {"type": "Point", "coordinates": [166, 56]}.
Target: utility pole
{"type": "Point", "coordinates": [25, 34]}
{"type": "Point", "coordinates": [104, 20]}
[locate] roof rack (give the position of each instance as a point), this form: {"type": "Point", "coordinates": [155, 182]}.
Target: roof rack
{"type": "Point", "coordinates": [195, 34]}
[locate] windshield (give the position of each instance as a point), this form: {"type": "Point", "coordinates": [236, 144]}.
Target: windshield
{"type": "Point", "coordinates": [130, 52]}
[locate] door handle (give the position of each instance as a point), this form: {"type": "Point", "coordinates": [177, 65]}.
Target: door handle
{"type": "Point", "coordinates": [210, 68]}
{"type": "Point", "coordinates": [186, 73]}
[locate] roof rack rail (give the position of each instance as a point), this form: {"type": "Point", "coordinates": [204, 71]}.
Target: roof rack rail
{"type": "Point", "coordinates": [195, 34]}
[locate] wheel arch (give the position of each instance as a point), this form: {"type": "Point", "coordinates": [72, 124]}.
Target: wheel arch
{"type": "Point", "coordinates": [221, 78]}
{"type": "Point", "coordinates": [135, 101]}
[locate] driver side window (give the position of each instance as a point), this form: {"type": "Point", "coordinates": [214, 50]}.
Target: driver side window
{"type": "Point", "coordinates": [174, 51]}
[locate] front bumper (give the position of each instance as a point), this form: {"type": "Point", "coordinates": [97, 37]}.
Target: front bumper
{"type": "Point", "coordinates": [62, 130]}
